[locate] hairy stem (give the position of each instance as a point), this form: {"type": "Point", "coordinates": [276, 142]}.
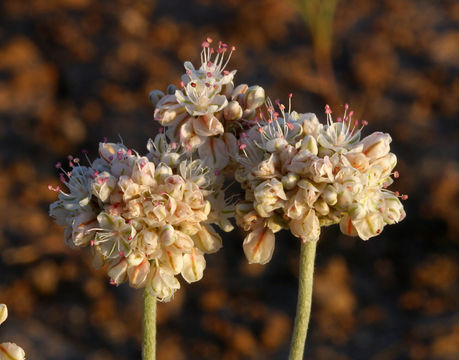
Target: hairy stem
{"type": "Point", "coordinates": [303, 308]}
{"type": "Point", "coordinates": [149, 326]}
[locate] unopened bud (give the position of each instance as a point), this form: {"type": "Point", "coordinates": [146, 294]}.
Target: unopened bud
{"type": "Point", "coordinates": [171, 89]}
{"type": "Point", "coordinates": [330, 195]}
{"type": "Point", "coordinates": [238, 91]}
{"type": "Point", "coordinates": [376, 145]}
{"type": "Point", "coordinates": [155, 96]}
{"type": "Point", "coordinates": [321, 207]}
{"type": "Point", "coordinates": [233, 111]}
{"type": "Point", "coordinates": [138, 274]}
{"type": "Point", "coordinates": [167, 235]}
{"type": "Point", "coordinates": [255, 97]}
{"type": "Point", "coordinates": [289, 181]}
{"type": "Point", "coordinates": [309, 143]}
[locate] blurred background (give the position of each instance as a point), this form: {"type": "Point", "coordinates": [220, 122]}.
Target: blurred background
{"type": "Point", "coordinates": [74, 71]}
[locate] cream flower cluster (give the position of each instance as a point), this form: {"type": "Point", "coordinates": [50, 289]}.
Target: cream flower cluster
{"type": "Point", "coordinates": [205, 113]}
{"type": "Point", "coordinates": [148, 217]}
{"type": "Point", "coordinates": [300, 175]}
{"type": "Point", "coordinates": [9, 351]}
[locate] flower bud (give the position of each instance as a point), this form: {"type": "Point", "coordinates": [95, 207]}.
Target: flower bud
{"type": "Point", "coordinates": [358, 161]}
{"type": "Point", "coordinates": [167, 235]}
{"type": "Point", "coordinates": [227, 89]}
{"type": "Point", "coordinates": [321, 207]}
{"type": "Point", "coordinates": [330, 195]}
{"type": "Point", "coordinates": [370, 225]}
{"type": "Point", "coordinates": [103, 185]}
{"type": "Point", "coordinates": [171, 89]}
{"type": "Point", "coordinates": [238, 91]}
{"type": "Point", "coordinates": [276, 223]}
{"type": "Point", "coordinates": [255, 97]}
{"type": "Point", "coordinates": [117, 271]}
{"type": "Point", "coordinates": [193, 266]}
{"type": "Point", "coordinates": [290, 180]}
{"type": "Point", "coordinates": [376, 145]}
{"type": "Point", "coordinates": [259, 246]}
{"type": "Point", "coordinates": [275, 144]}
{"type": "Point", "coordinates": [233, 111]}
{"type": "Point", "coordinates": [309, 143]}
{"type": "Point", "coordinates": [155, 96]}
{"type": "Point", "coordinates": [162, 172]}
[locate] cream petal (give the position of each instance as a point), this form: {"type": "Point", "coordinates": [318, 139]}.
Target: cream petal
{"type": "Point", "coordinates": [3, 313]}
{"type": "Point", "coordinates": [259, 246]}
{"type": "Point", "coordinates": [207, 240]}
{"type": "Point", "coordinates": [371, 225]}
{"type": "Point", "coordinates": [139, 274]}
{"type": "Point", "coordinates": [213, 153]}
{"type": "Point", "coordinates": [193, 266]}
{"type": "Point", "coordinates": [10, 351]}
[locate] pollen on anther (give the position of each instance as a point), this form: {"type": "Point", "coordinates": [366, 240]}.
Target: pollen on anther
{"type": "Point", "coordinates": [396, 174]}
{"type": "Point", "coordinates": [404, 197]}
{"type": "Point", "coordinates": [242, 146]}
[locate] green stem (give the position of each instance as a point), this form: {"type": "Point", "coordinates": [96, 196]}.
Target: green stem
{"type": "Point", "coordinates": [149, 326]}
{"type": "Point", "coordinates": [303, 307]}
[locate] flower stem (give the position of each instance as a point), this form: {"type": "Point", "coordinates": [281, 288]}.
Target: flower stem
{"type": "Point", "coordinates": [149, 326]}
{"type": "Point", "coordinates": [303, 308]}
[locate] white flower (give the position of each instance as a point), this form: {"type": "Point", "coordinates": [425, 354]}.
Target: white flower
{"type": "Point", "coordinates": [269, 196]}
{"type": "Point", "coordinates": [307, 227]}
{"type": "Point", "coordinates": [9, 351]}
{"type": "Point", "coordinates": [162, 283]}
{"type": "Point", "coordinates": [193, 266]}
{"type": "Point", "coordinates": [376, 145]}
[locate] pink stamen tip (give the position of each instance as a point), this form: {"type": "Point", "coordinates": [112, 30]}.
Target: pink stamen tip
{"type": "Point", "coordinates": [215, 86]}
{"type": "Point", "coordinates": [193, 84]}
{"type": "Point", "coordinates": [188, 72]}
{"type": "Point", "coordinates": [211, 50]}
{"type": "Point", "coordinates": [233, 48]}
{"type": "Point", "coordinates": [260, 130]}
{"type": "Point", "coordinates": [92, 242]}
{"type": "Point", "coordinates": [62, 178]}
{"type": "Point", "coordinates": [209, 40]}
{"type": "Point", "coordinates": [244, 135]}
{"type": "Point", "coordinates": [205, 44]}
{"type": "Point", "coordinates": [346, 107]}
{"type": "Point", "coordinates": [290, 95]}
{"type": "Point", "coordinates": [396, 174]}
{"type": "Point", "coordinates": [405, 197]}
{"type": "Point", "coordinates": [182, 84]}
{"type": "Point", "coordinates": [112, 282]}
{"type": "Point", "coordinates": [364, 122]}
{"type": "Point", "coordinates": [105, 139]}
{"type": "Point", "coordinates": [397, 193]}
{"type": "Point", "coordinates": [242, 146]}
{"type": "Point", "coordinates": [121, 254]}
{"type": "Point", "coordinates": [209, 74]}
{"type": "Point", "coordinates": [209, 63]}
{"type": "Point", "coordinates": [290, 126]}
{"type": "Point", "coordinates": [339, 120]}
{"type": "Point", "coordinates": [174, 145]}
{"type": "Point", "coordinates": [50, 188]}
{"type": "Point", "coordinates": [277, 101]}
{"type": "Point", "coordinates": [351, 113]}
{"type": "Point", "coordinates": [225, 72]}
{"type": "Point", "coordinates": [356, 122]}
{"type": "Point", "coordinates": [160, 130]}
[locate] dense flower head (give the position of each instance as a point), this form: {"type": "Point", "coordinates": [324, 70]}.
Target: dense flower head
{"type": "Point", "coordinates": [301, 175]}
{"type": "Point", "coordinates": [9, 351]}
{"type": "Point", "coordinates": [148, 217]}
{"type": "Point", "coordinates": [208, 110]}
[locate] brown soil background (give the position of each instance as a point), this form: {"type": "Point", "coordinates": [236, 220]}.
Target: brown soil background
{"type": "Point", "coordinates": [74, 71]}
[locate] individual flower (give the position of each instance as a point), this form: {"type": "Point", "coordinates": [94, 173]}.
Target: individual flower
{"type": "Point", "coordinates": [9, 351]}
{"type": "Point", "coordinates": [149, 218]}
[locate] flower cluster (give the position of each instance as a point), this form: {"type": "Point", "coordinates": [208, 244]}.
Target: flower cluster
{"type": "Point", "coordinates": [300, 175]}
{"type": "Point", "coordinates": [9, 351]}
{"type": "Point", "coordinates": [148, 217]}
{"type": "Point", "coordinates": [206, 112]}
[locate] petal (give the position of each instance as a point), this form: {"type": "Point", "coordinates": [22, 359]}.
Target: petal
{"type": "Point", "coordinates": [10, 351]}
{"type": "Point", "coordinates": [207, 125]}
{"type": "Point", "coordinates": [369, 226]}
{"type": "Point", "coordinates": [139, 274]}
{"type": "Point", "coordinates": [259, 246]}
{"type": "Point", "coordinates": [214, 153]}
{"type": "Point", "coordinates": [193, 266]}
{"type": "Point", "coordinates": [207, 240]}
{"type": "Point", "coordinates": [3, 313]}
